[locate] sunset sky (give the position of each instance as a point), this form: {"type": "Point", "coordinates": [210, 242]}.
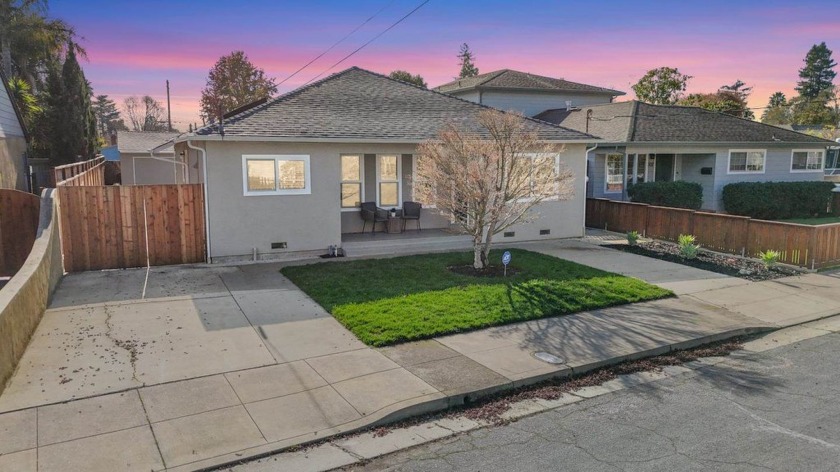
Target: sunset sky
{"type": "Point", "coordinates": [133, 47]}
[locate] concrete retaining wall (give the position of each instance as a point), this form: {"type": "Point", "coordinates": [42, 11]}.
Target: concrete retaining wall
{"type": "Point", "coordinates": [26, 296]}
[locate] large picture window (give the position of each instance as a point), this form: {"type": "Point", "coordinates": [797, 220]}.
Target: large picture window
{"type": "Point", "coordinates": [615, 173]}
{"type": "Point", "coordinates": [352, 171]}
{"type": "Point", "coordinates": [807, 161]}
{"type": "Point", "coordinates": [275, 175]}
{"type": "Point", "coordinates": [388, 180]}
{"type": "Point", "coordinates": [747, 161]}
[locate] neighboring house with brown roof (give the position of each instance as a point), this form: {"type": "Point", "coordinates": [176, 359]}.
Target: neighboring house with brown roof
{"type": "Point", "coordinates": [526, 93]}
{"type": "Point", "coordinates": [644, 142]}
{"type": "Point", "coordinates": [138, 166]}
{"type": "Point", "coordinates": [13, 142]}
{"type": "Point", "coordinates": [289, 174]}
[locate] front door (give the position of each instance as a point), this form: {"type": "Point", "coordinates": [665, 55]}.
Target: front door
{"type": "Point", "coordinates": [664, 167]}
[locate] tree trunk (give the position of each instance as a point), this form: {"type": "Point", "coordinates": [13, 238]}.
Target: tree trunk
{"type": "Point", "coordinates": [479, 260]}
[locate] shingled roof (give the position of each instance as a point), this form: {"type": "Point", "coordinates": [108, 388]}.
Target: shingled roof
{"type": "Point", "coordinates": [639, 122]}
{"type": "Point", "coordinates": [359, 105]}
{"type": "Point", "coordinates": [508, 79]}
{"type": "Point", "coordinates": [143, 141]}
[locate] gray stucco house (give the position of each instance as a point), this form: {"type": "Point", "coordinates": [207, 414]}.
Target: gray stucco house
{"type": "Point", "coordinates": [644, 142]}
{"type": "Point", "coordinates": [526, 93]}
{"type": "Point", "coordinates": [288, 175]}
{"type": "Point", "coordinates": [139, 166]}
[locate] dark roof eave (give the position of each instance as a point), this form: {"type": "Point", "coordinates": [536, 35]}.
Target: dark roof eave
{"type": "Point", "coordinates": [346, 139]}
{"type": "Point", "coordinates": [482, 88]}
{"type": "Point", "coordinates": [717, 143]}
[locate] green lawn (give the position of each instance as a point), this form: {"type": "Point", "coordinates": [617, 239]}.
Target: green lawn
{"type": "Point", "coordinates": [824, 220]}
{"type": "Point", "coordinates": [388, 301]}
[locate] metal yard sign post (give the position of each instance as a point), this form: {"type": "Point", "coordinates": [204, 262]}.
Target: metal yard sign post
{"type": "Point", "coordinates": [506, 260]}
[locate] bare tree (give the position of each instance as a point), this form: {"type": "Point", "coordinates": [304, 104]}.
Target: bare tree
{"type": "Point", "coordinates": [490, 180]}
{"type": "Point", "coordinates": [144, 114]}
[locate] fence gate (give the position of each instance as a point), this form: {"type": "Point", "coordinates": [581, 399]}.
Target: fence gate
{"type": "Point", "coordinates": [110, 227]}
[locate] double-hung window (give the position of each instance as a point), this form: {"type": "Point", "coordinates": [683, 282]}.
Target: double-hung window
{"type": "Point", "coordinates": [388, 180]}
{"type": "Point", "coordinates": [544, 176]}
{"type": "Point", "coordinates": [747, 161]}
{"type": "Point", "coordinates": [352, 170]}
{"type": "Point", "coordinates": [275, 175]}
{"type": "Point", "coordinates": [807, 161]}
{"type": "Point", "coordinates": [615, 173]}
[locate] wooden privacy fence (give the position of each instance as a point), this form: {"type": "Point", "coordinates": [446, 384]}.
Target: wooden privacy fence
{"type": "Point", "coordinates": [108, 227]}
{"type": "Point", "coordinates": [18, 227]}
{"type": "Point", "coordinates": [91, 172]}
{"type": "Point", "coordinates": [802, 245]}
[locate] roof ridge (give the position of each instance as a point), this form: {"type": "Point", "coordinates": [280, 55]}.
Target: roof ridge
{"type": "Point", "coordinates": [634, 115]}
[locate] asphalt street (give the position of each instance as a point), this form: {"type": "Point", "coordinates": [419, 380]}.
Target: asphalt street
{"type": "Point", "coordinates": [778, 410]}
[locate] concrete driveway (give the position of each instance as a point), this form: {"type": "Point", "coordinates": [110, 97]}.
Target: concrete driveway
{"type": "Point", "coordinates": [99, 336]}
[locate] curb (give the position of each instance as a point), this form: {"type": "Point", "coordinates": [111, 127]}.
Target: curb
{"type": "Point", "coordinates": [396, 413]}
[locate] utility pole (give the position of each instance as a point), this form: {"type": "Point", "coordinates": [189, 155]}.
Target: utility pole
{"type": "Point", "coordinates": [168, 107]}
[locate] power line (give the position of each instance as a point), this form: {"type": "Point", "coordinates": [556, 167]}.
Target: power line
{"type": "Point", "coordinates": [369, 41]}
{"type": "Point", "coordinates": [337, 42]}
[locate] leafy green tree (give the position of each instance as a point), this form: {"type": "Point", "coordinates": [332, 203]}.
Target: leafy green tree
{"type": "Point", "coordinates": [818, 75]}
{"type": "Point", "coordinates": [729, 99]}
{"type": "Point", "coordinates": [233, 82]}
{"type": "Point", "coordinates": [405, 76]}
{"type": "Point", "coordinates": [29, 41]}
{"type": "Point", "coordinates": [661, 86]}
{"type": "Point", "coordinates": [817, 111]}
{"type": "Point", "coordinates": [27, 102]}
{"type": "Point", "coordinates": [777, 111]}
{"type": "Point", "coordinates": [468, 69]}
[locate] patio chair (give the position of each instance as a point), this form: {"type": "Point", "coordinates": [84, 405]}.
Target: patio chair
{"type": "Point", "coordinates": [373, 214]}
{"type": "Point", "coordinates": [411, 211]}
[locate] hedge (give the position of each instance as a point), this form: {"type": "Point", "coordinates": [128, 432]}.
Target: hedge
{"type": "Point", "coordinates": [778, 200]}
{"type": "Point", "coordinates": [677, 194]}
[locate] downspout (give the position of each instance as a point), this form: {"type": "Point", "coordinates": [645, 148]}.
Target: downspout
{"type": "Point", "coordinates": [586, 184]}
{"type": "Point", "coordinates": [206, 200]}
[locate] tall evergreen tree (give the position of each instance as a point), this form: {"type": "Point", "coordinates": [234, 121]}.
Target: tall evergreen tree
{"type": "Point", "coordinates": [107, 115]}
{"type": "Point", "coordinates": [818, 75]}
{"type": "Point", "coordinates": [69, 127]}
{"type": "Point", "coordinates": [468, 69]}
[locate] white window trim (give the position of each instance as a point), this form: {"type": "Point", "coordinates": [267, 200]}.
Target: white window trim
{"type": "Point", "coordinates": [736, 172]}
{"type": "Point", "coordinates": [414, 181]}
{"type": "Point", "coordinates": [607, 172]}
{"type": "Point", "coordinates": [398, 181]}
{"type": "Point", "coordinates": [360, 182]}
{"type": "Point", "coordinates": [807, 171]}
{"type": "Point", "coordinates": [306, 190]}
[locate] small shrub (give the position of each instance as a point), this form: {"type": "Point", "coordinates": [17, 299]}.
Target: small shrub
{"type": "Point", "coordinates": [778, 200]}
{"type": "Point", "coordinates": [688, 248]}
{"type": "Point", "coordinates": [677, 194]}
{"type": "Point", "coordinates": [633, 238]}
{"type": "Point", "coordinates": [769, 258]}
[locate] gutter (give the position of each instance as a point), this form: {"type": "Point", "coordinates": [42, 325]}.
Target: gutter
{"type": "Point", "coordinates": [206, 200]}
{"type": "Point", "coordinates": [351, 140]}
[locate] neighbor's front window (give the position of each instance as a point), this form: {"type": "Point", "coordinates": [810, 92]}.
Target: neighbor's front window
{"type": "Point", "coordinates": [275, 174]}
{"type": "Point", "coordinates": [388, 180]}
{"type": "Point", "coordinates": [807, 161]}
{"type": "Point", "coordinates": [747, 161]}
{"type": "Point", "coordinates": [615, 173]}
{"type": "Point", "coordinates": [351, 180]}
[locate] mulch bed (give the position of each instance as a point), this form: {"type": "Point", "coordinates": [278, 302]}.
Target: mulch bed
{"type": "Point", "coordinates": [707, 260]}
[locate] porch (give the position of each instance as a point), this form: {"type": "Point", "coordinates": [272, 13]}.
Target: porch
{"type": "Point", "coordinates": [407, 242]}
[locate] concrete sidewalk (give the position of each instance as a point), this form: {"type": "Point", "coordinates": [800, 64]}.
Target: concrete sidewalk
{"type": "Point", "coordinates": [221, 363]}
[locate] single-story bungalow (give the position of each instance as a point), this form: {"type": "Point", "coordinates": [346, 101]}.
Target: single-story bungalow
{"type": "Point", "coordinates": [526, 93]}
{"type": "Point", "coordinates": [139, 166]}
{"type": "Point", "coordinates": [644, 142]}
{"type": "Point", "coordinates": [289, 174]}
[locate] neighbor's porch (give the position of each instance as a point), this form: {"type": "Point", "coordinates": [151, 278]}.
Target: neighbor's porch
{"type": "Point", "coordinates": [407, 242]}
